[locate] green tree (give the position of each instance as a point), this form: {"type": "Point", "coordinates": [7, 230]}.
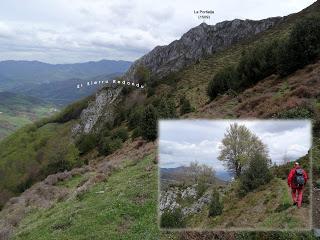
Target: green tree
{"type": "Point", "coordinates": [135, 117]}
{"type": "Point", "coordinates": [257, 63]}
{"type": "Point", "coordinates": [238, 147]}
{"type": "Point", "coordinates": [185, 106]}
{"type": "Point", "coordinates": [225, 79]}
{"type": "Point", "coordinates": [216, 205]}
{"type": "Point", "coordinates": [121, 133]}
{"type": "Point", "coordinates": [257, 174]}
{"type": "Point", "coordinates": [301, 47]}
{"type": "Point", "coordinates": [108, 145]}
{"type": "Point", "coordinates": [166, 108]}
{"type": "Point", "coordinates": [86, 142]}
{"type": "Point", "coordinates": [149, 123]}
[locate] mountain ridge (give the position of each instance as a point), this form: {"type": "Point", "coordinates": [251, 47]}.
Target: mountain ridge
{"type": "Point", "coordinates": [19, 73]}
{"type": "Point", "coordinates": [198, 42]}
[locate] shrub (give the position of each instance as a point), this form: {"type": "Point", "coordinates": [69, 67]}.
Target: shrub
{"type": "Point", "coordinates": [120, 133]}
{"type": "Point", "coordinates": [201, 189]}
{"type": "Point", "coordinates": [121, 113]}
{"type": "Point", "coordinates": [104, 132]}
{"type": "Point", "coordinates": [185, 106]}
{"type": "Point", "coordinates": [297, 112]}
{"type": "Point", "coordinates": [215, 206]}
{"type": "Point", "coordinates": [302, 46]}
{"type": "Point", "coordinates": [149, 123]}
{"type": "Point", "coordinates": [225, 79]}
{"type": "Point", "coordinates": [63, 157]}
{"type": "Point", "coordinates": [86, 142]}
{"type": "Point", "coordinates": [171, 79]}
{"type": "Point", "coordinates": [136, 133]}
{"type": "Point", "coordinates": [166, 108]}
{"type": "Point", "coordinates": [108, 145]}
{"type": "Point", "coordinates": [257, 174]}
{"type": "Point", "coordinates": [256, 64]}
{"type": "Point", "coordinates": [135, 117]}
{"type": "Point", "coordinates": [172, 219]}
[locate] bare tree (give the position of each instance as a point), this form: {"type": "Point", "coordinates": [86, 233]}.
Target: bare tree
{"type": "Point", "coordinates": [200, 173]}
{"type": "Point", "coordinates": [285, 158]}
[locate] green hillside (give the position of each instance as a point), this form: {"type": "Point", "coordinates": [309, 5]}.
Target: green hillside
{"type": "Point", "coordinates": [108, 209]}
{"type": "Point", "coordinates": [120, 197]}
{"type": "Point", "coordinates": [18, 110]}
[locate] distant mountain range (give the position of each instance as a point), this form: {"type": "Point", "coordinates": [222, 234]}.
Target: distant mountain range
{"type": "Point", "coordinates": [63, 92]}
{"type": "Point", "coordinates": [167, 173]}
{"type": "Point", "coordinates": [19, 73]}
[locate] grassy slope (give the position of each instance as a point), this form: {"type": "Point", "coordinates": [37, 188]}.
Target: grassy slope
{"type": "Point", "coordinates": [125, 210]}
{"type": "Point", "coordinates": [17, 111]}
{"type": "Point", "coordinates": [26, 155]}
{"type": "Point", "coordinates": [270, 206]}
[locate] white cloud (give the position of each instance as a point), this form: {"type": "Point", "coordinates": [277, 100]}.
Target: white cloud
{"type": "Point", "coordinates": [174, 154]}
{"type": "Point", "coordinates": [82, 30]}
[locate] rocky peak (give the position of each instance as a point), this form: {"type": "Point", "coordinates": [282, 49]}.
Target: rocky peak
{"type": "Point", "coordinates": [198, 42]}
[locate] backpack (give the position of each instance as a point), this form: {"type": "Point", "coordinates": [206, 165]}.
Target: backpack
{"type": "Point", "coordinates": [298, 178]}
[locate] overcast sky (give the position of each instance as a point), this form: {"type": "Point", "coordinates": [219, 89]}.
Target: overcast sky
{"type": "Point", "coordinates": [184, 141]}
{"type": "Point", "coordinates": [65, 31]}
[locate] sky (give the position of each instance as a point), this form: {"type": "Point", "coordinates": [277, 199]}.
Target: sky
{"type": "Point", "coordinates": [184, 141]}
{"type": "Point", "coordinates": [68, 31]}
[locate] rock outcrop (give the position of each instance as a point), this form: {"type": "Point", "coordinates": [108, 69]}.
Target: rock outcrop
{"type": "Point", "coordinates": [169, 200]}
{"type": "Point", "coordinates": [198, 42]}
{"type": "Point", "coordinates": [99, 111]}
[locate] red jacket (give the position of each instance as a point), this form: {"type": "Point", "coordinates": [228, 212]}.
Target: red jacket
{"type": "Point", "coordinates": [291, 177]}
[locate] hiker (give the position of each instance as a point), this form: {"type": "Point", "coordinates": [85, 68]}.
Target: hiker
{"type": "Point", "coordinates": [296, 180]}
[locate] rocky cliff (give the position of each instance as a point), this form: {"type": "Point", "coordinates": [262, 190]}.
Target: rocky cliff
{"type": "Point", "coordinates": [197, 43]}
{"type": "Point", "coordinates": [99, 111]}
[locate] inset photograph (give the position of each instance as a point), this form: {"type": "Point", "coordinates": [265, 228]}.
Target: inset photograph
{"type": "Point", "coordinates": [235, 174]}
